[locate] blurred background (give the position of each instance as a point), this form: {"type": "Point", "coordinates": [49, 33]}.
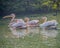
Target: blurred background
{"type": "Point", "coordinates": [23, 7]}
{"type": "Point", "coordinates": [34, 9]}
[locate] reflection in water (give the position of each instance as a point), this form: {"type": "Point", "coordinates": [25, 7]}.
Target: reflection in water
{"type": "Point", "coordinates": [48, 37]}
{"type": "Point", "coordinates": [18, 33]}
{"type": "Point", "coordinates": [24, 32]}
{"type": "Point", "coordinates": [44, 33]}
{"type": "Point", "coordinates": [49, 33]}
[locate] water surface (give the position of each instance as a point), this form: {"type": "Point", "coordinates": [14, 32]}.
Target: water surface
{"type": "Point", "coordinates": [35, 37]}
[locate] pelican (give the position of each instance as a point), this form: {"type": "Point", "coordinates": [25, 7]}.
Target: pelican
{"type": "Point", "coordinates": [52, 24]}
{"type": "Point", "coordinates": [31, 23]}
{"type": "Point", "coordinates": [15, 23]}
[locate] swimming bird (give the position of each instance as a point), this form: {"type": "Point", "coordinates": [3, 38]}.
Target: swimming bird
{"type": "Point", "coordinates": [31, 23]}
{"type": "Point", "coordinates": [15, 23]}
{"type": "Point", "coordinates": [52, 24]}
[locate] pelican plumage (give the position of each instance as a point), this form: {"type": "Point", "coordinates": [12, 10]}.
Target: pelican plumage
{"type": "Point", "coordinates": [31, 23]}
{"type": "Point", "coordinates": [14, 23]}
{"type": "Point", "coordinates": [48, 24]}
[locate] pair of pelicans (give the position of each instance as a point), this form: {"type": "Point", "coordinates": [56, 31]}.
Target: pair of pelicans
{"type": "Point", "coordinates": [20, 23]}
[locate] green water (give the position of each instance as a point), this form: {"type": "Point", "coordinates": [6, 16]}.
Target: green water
{"type": "Point", "coordinates": [39, 39]}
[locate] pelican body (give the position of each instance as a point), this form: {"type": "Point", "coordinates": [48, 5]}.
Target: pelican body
{"type": "Point", "coordinates": [15, 23]}
{"type": "Point", "coordinates": [33, 23]}
{"type": "Point", "coordinates": [19, 24]}
{"type": "Point", "coordinates": [49, 24]}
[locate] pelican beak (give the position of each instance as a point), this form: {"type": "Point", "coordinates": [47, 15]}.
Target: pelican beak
{"type": "Point", "coordinates": [6, 16]}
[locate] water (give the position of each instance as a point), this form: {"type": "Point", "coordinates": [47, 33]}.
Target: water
{"type": "Point", "coordinates": [24, 32]}
{"type": "Point", "coordinates": [34, 35]}
{"type": "Point", "coordinates": [48, 37]}
{"type": "Point", "coordinates": [49, 33]}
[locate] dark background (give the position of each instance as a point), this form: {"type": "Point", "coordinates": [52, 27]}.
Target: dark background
{"type": "Point", "coordinates": [22, 7]}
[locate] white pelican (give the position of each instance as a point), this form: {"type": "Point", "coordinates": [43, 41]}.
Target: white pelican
{"type": "Point", "coordinates": [31, 23]}
{"type": "Point", "coordinates": [14, 23]}
{"type": "Point", "coordinates": [48, 24]}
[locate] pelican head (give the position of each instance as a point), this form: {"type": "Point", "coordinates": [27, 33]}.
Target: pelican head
{"type": "Point", "coordinates": [12, 14]}
{"type": "Point", "coordinates": [26, 19]}
{"type": "Point", "coordinates": [44, 19]}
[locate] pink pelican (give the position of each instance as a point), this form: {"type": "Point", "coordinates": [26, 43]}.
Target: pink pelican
{"type": "Point", "coordinates": [48, 24]}
{"type": "Point", "coordinates": [15, 23]}
{"type": "Point", "coordinates": [31, 23]}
